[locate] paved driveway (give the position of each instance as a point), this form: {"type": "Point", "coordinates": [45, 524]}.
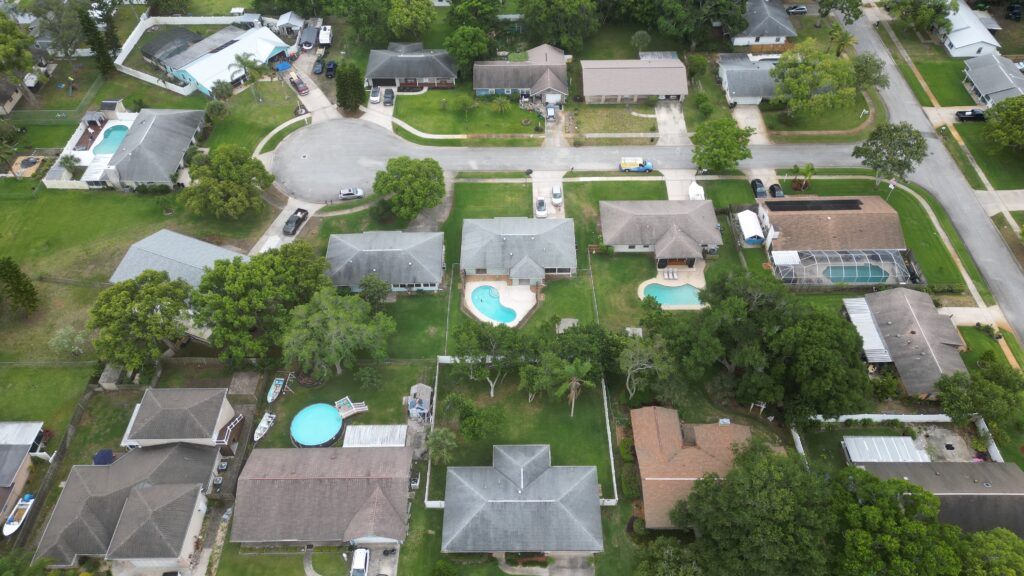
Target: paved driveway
{"type": "Point", "coordinates": [749, 116]}
{"type": "Point", "coordinates": [671, 123]}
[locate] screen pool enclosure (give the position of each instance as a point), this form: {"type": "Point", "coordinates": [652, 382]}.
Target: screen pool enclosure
{"type": "Point", "coordinates": [843, 267]}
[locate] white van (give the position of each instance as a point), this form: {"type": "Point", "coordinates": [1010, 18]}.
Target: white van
{"type": "Point", "coordinates": [325, 36]}
{"type": "Point", "coordinates": [360, 562]}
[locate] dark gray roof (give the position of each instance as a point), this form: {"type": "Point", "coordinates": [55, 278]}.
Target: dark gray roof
{"type": "Point", "coordinates": [180, 256]}
{"type": "Point", "coordinates": [154, 521]}
{"type": "Point", "coordinates": [7, 90]}
{"type": "Point", "coordinates": [177, 414]}
{"type": "Point", "coordinates": [211, 43]}
{"type": "Point", "coordinates": [543, 71]}
{"type": "Point", "coordinates": [170, 41]}
{"type": "Point", "coordinates": [995, 76]}
{"type": "Point", "coordinates": [523, 246]}
{"type": "Point", "coordinates": [922, 343]}
{"type": "Point", "coordinates": [410, 61]}
{"type": "Point", "coordinates": [89, 511]}
{"type": "Point", "coordinates": [522, 503]}
{"type": "Point", "coordinates": [322, 495]}
{"type": "Point", "coordinates": [747, 78]}
{"type": "Point", "coordinates": [16, 439]}
{"type": "Point", "coordinates": [155, 144]}
{"type": "Point", "coordinates": [395, 257]}
{"type": "Point", "coordinates": [973, 495]}
{"type": "Point", "coordinates": [677, 228]}
{"type": "Point", "coordinates": [767, 18]}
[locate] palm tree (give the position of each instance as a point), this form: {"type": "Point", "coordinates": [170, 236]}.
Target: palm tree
{"type": "Point", "coordinates": [841, 38]}
{"type": "Point", "coordinates": [575, 381]}
{"type": "Point", "coordinates": [252, 70]}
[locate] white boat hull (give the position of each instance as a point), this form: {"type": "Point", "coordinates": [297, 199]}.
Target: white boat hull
{"type": "Point", "coordinates": [17, 516]}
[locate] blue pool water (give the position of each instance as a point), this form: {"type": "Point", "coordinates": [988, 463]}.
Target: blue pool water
{"type": "Point", "coordinates": [673, 295]}
{"type": "Point", "coordinates": [863, 274]}
{"type": "Point", "coordinates": [112, 138]}
{"type": "Point", "coordinates": [486, 300]}
{"type": "Point", "coordinates": [316, 425]}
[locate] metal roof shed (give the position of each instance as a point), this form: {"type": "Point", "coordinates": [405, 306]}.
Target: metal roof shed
{"type": "Point", "coordinates": [883, 449]}
{"type": "Point", "coordinates": [875, 349]}
{"type": "Point", "coordinates": [375, 436]}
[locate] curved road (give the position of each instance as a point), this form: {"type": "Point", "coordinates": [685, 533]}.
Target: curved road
{"type": "Point", "coordinates": [315, 162]}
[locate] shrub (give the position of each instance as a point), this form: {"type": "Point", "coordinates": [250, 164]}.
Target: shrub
{"type": "Point", "coordinates": [885, 386]}
{"type": "Point", "coordinates": [152, 189]}
{"type": "Point", "coordinates": [696, 65]}
{"type": "Point", "coordinates": [198, 160]}
{"type": "Point", "coordinates": [444, 567]}
{"type": "Point", "coordinates": [368, 377]}
{"type": "Point", "coordinates": [626, 450]}
{"type": "Point", "coordinates": [639, 527]}
{"type": "Point", "coordinates": [380, 210]}
{"type": "Point", "coordinates": [703, 103]}
{"type": "Point", "coordinates": [631, 481]}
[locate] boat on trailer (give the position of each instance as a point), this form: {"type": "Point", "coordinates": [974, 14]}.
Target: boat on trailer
{"type": "Point", "coordinates": [275, 390]}
{"type": "Point", "coordinates": [264, 426]}
{"type": "Point", "coordinates": [18, 514]}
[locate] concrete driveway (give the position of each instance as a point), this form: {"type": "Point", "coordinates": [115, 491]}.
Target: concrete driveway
{"type": "Point", "coordinates": [749, 116]}
{"type": "Point", "coordinates": [671, 123]}
{"type": "Point", "coordinates": [543, 182]}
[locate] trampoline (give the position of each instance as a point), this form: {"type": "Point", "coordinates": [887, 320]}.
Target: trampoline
{"type": "Point", "coordinates": [316, 425]}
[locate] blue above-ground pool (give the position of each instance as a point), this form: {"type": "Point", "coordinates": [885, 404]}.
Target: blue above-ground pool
{"type": "Point", "coordinates": [486, 299]}
{"type": "Point", "coordinates": [316, 425]}
{"type": "Point", "coordinates": [685, 295]}
{"type": "Point", "coordinates": [112, 138]}
{"type": "Point", "coordinates": [862, 274]}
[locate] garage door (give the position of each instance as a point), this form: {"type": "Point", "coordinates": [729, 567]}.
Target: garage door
{"type": "Point", "coordinates": [384, 82]}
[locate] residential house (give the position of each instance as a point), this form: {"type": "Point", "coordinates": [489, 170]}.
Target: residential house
{"type": "Point", "coordinates": [672, 456]}
{"type": "Point", "coordinates": [746, 79]}
{"type": "Point", "coordinates": [182, 257]}
{"type": "Point", "coordinates": [172, 41]}
{"type": "Point", "coordinates": [835, 240]}
{"type": "Point", "coordinates": [975, 496]}
{"type": "Point", "coordinates": [10, 95]}
{"type": "Point", "coordinates": [543, 75]}
{"type": "Point", "coordinates": [408, 261]}
{"type": "Point", "coordinates": [521, 503]}
{"type": "Point", "coordinates": [993, 78]}
{"type": "Point", "coordinates": [200, 416]}
{"type": "Point", "coordinates": [525, 250]}
{"type": "Point", "coordinates": [902, 326]}
{"type": "Point", "coordinates": [767, 24]}
{"type": "Point", "coordinates": [142, 513]}
{"type": "Point", "coordinates": [411, 65]}
{"type": "Point", "coordinates": [18, 442]}
{"type": "Point", "coordinates": [617, 81]}
{"type": "Point", "coordinates": [676, 231]}
{"type": "Point", "coordinates": [968, 36]}
{"type": "Point", "coordinates": [323, 496]}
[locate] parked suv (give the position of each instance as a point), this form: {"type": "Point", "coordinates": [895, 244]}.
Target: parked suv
{"type": "Point", "coordinates": [758, 187]}
{"type": "Point", "coordinates": [360, 562]}
{"type": "Point", "coordinates": [389, 97]}
{"type": "Point", "coordinates": [975, 115]}
{"type": "Point", "coordinates": [332, 68]}
{"type": "Point", "coordinates": [541, 211]}
{"type": "Point", "coordinates": [775, 191]}
{"type": "Point", "coordinates": [350, 194]}
{"type": "Point", "coordinates": [556, 195]}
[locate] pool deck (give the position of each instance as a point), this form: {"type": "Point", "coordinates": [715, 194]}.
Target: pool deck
{"type": "Point", "coordinates": [692, 276]}
{"type": "Point", "coordinates": [519, 298]}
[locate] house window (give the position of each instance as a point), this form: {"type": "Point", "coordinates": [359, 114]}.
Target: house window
{"type": "Point", "coordinates": [481, 270]}
{"type": "Point", "coordinates": [979, 51]}
{"type": "Point", "coordinates": [632, 246]}
{"type": "Point", "coordinates": [757, 39]}
{"type": "Point", "coordinates": [778, 40]}
{"type": "Point", "coordinates": [949, 44]}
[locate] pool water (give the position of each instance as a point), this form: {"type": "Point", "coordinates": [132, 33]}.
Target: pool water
{"type": "Point", "coordinates": [316, 425]}
{"type": "Point", "coordinates": [862, 274]}
{"type": "Point", "coordinates": [685, 295]}
{"type": "Point", "coordinates": [488, 302]}
{"type": "Point", "coordinates": [112, 138]}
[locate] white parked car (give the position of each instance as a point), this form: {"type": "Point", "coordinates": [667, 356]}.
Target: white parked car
{"type": "Point", "coordinates": [360, 562]}
{"type": "Point", "coordinates": [556, 195]}
{"type": "Point", "coordinates": [350, 194]}
{"type": "Point", "coordinates": [375, 95]}
{"type": "Point", "coordinates": [541, 210]}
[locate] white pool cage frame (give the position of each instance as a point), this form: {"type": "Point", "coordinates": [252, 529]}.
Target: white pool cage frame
{"type": "Point", "coordinates": [809, 267]}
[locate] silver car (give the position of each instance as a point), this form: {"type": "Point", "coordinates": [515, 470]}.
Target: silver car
{"type": "Point", "coordinates": [350, 194]}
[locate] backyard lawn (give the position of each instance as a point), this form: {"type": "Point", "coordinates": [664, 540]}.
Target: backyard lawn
{"type": "Point", "coordinates": [54, 94]}
{"type": "Point", "coordinates": [612, 118]}
{"type": "Point", "coordinates": [616, 279]}
{"type": "Point", "coordinates": [1001, 165]}
{"type": "Point", "coordinates": [46, 394]}
{"type": "Point", "coordinates": [248, 120]}
{"type": "Point", "coordinates": [482, 201]}
{"type": "Point", "coordinates": [385, 401]}
{"type": "Point", "coordinates": [611, 42]}
{"type": "Point", "coordinates": [421, 325]}
{"type": "Point", "coordinates": [424, 112]}
{"type": "Point", "coordinates": [564, 299]}
{"type": "Point", "coordinates": [707, 84]}
{"type": "Point", "coordinates": [119, 86]}
{"type": "Point", "coordinates": [44, 136]}
{"type": "Point", "coordinates": [582, 204]}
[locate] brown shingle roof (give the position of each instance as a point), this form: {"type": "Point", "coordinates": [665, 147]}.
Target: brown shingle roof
{"type": "Point", "coordinates": [874, 225]}
{"type": "Point", "coordinates": [629, 77]}
{"type": "Point", "coordinates": [668, 466]}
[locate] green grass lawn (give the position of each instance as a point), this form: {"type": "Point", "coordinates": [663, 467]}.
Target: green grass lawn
{"type": "Point", "coordinates": [385, 402]}
{"type": "Point", "coordinates": [582, 204]}
{"type": "Point", "coordinates": [824, 446]}
{"type": "Point", "coordinates": [216, 7]}
{"type": "Point", "coordinates": [482, 201]}
{"type": "Point", "coordinates": [945, 78]}
{"type": "Point", "coordinates": [319, 231]}
{"type": "Point", "coordinates": [725, 193]}
{"type": "Point", "coordinates": [183, 376]}
{"type": "Point", "coordinates": [127, 18]}
{"type": "Point", "coordinates": [46, 394]}
{"type": "Point", "coordinates": [248, 120]}
{"type": "Point", "coordinates": [905, 71]}
{"type": "Point", "coordinates": [611, 42]}
{"type": "Point", "coordinates": [569, 298]}
{"type": "Point", "coordinates": [616, 279]}
{"type": "Point", "coordinates": [424, 112]}
{"type": "Point", "coordinates": [960, 157]}
{"type": "Point", "coordinates": [234, 562]}
{"type": "Point", "coordinates": [44, 135]}
{"type": "Point", "coordinates": [280, 136]}
{"type": "Point", "coordinates": [421, 325]}
{"type": "Point", "coordinates": [121, 86]}
{"type": "Point", "coordinates": [577, 441]}
{"type": "Point", "coordinates": [608, 118]}
{"type": "Point", "coordinates": [54, 97]}
{"type": "Point", "coordinates": [1011, 238]}
{"type": "Point", "coordinates": [777, 119]}
{"type": "Point", "coordinates": [439, 31]}
{"type": "Point", "coordinates": [1001, 165]}
{"type": "Point", "coordinates": [978, 343]}
{"type": "Point", "coordinates": [705, 83]}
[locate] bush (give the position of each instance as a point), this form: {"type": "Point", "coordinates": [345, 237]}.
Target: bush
{"type": "Point", "coordinates": [368, 377]}
{"type": "Point", "coordinates": [696, 65]}
{"type": "Point", "coordinates": [703, 103]}
{"type": "Point", "coordinates": [381, 211]}
{"type": "Point", "coordinates": [152, 189]}
{"type": "Point", "coordinates": [626, 450]}
{"type": "Point", "coordinates": [639, 527]}
{"type": "Point", "coordinates": [631, 481]}
{"type": "Point", "coordinates": [885, 386]}
{"type": "Point", "coordinates": [482, 422]}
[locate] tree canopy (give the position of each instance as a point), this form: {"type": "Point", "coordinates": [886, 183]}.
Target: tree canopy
{"type": "Point", "coordinates": [16, 289]}
{"type": "Point", "coordinates": [15, 54]}
{"type": "Point", "coordinates": [487, 352]}
{"type": "Point", "coordinates": [922, 14]}
{"type": "Point", "coordinates": [467, 45]}
{"type": "Point", "coordinates": [348, 83]}
{"type": "Point", "coordinates": [869, 71]}
{"type": "Point", "coordinates": [992, 389]}
{"type": "Point", "coordinates": [411, 184]}
{"type": "Point", "coordinates": [1004, 123]}
{"type": "Point", "coordinates": [58, 20]}
{"type": "Point", "coordinates": [850, 10]}
{"type": "Point", "coordinates": [719, 145]}
{"type": "Point", "coordinates": [811, 80]}
{"type": "Point", "coordinates": [229, 186]}
{"type": "Point", "coordinates": [481, 14]}
{"type": "Point", "coordinates": [410, 19]}
{"type": "Point", "coordinates": [892, 150]}
{"type": "Point", "coordinates": [694, 21]}
{"type": "Point", "coordinates": [368, 19]}
{"type": "Point", "coordinates": [562, 23]}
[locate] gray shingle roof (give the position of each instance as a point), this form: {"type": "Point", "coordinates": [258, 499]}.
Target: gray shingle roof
{"type": "Point", "coordinates": [322, 495]}
{"type": "Point", "coordinates": [677, 228]}
{"type": "Point", "coordinates": [16, 440]}
{"type": "Point", "coordinates": [521, 503]}
{"type": "Point", "coordinates": [154, 521]}
{"type": "Point", "coordinates": [89, 510]}
{"type": "Point", "coordinates": [395, 257]}
{"type": "Point", "coordinates": [155, 144]}
{"type": "Point", "coordinates": [211, 43]}
{"type": "Point", "coordinates": [180, 256]}
{"type": "Point", "coordinates": [923, 344]}
{"type": "Point", "coordinates": [746, 78]}
{"type": "Point", "coordinates": [973, 495]}
{"type": "Point", "coordinates": [767, 18]}
{"type": "Point", "coordinates": [410, 61]}
{"type": "Point", "coordinates": [543, 71]}
{"type": "Point", "coordinates": [525, 245]}
{"type": "Point", "coordinates": [178, 413]}
{"type": "Point", "coordinates": [995, 76]}
{"type": "Point", "coordinates": [628, 77]}
{"type": "Point", "coordinates": [170, 41]}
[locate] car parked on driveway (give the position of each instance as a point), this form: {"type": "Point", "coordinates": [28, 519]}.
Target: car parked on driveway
{"type": "Point", "coordinates": [758, 188]}
{"type": "Point", "coordinates": [798, 10]}
{"type": "Point", "coordinates": [389, 97]}
{"type": "Point", "coordinates": [291, 227]}
{"type": "Point", "coordinates": [556, 195]}
{"type": "Point", "coordinates": [541, 210]}
{"type": "Point", "coordinates": [375, 95]}
{"type": "Point", "coordinates": [298, 84]}
{"type": "Point", "coordinates": [350, 194]}
{"type": "Point", "coordinates": [332, 68]}
{"type": "Point", "coordinates": [550, 111]}
{"type": "Point", "coordinates": [975, 115]}
{"type": "Point", "coordinates": [775, 191]}
{"type": "Point", "coordinates": [318, 67]}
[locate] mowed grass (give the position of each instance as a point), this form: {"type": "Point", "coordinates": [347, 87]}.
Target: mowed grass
{"type": "Point", "coordinates": [608, 118]}
{"type": "Point", "coordinates": [384, 402]}
{"type": "Point", "coordinates": [564, 298]}
{"type": "Point", "coordinates": [583, 205]}
{"type": "Point", "coordinates": [482, 201]}
{"type": "Point", "coordinates": [960, 157]}
{"type": "Point", "coordinates": [611, 42]}
{"type": "Point", "coordinates": [438, 112]}
{"type": "Point", "coordinates": [725, 193]}
{"type": "Point", "coordinates": [707, 84]}
{"type": "Point", "coordinates": [945, 78]}
{"type": "Point", "coordinates": [1002, 166]}
{"type": "Point", "coordinates": [249, 120]}
{"type": "Point", "coordinates": [43, 136]}
{"type": "Point", "coordinates": [55, 95]}
{"type": "Point", "coordinates": [46, 394]}
{"type": "Point", "coordinates": [777, 119]}
{"type": "Point", "coordinates": [280, 136]}
{"type": "Point", "coordinates": [119, 86]}
{"type": "Point", "coordinates": [978, 343]}
{"type": "Point", "coordinates": [233, 562]}
{"type": "Point", "coordinates": [318, 232]}
{"type": "Point", "coordinates": [421, 325]}
{"type": "Point", "coordinates": [616, 279]}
